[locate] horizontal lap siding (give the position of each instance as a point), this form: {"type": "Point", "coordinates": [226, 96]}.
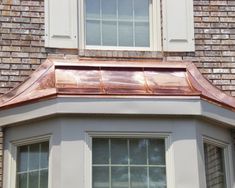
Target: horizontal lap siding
{"type": "Point", "coordinates": [22, 43]}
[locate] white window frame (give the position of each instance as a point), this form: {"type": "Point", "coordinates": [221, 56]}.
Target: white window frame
{"type": "Point", "coordinates": [88, 152]}
{"type": "Point", "coordinates": [154, 28]}
{"type": "Point", "coordinates": [227, 151]}
{"type": "Point", "coordinates": [13, 157]}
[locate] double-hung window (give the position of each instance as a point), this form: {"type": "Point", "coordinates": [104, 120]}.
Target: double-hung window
{"type": "Point", "coordinates": [32, 165]}
{"type": "Point", "coordinates": [128, 163]}
{"type": "Point", "coordinates": [118, 23]}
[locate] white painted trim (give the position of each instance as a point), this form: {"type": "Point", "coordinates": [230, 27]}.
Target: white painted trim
{"type": "Point", "coordinates": [12, 156]}
{"type": "Point", "coordinates": [170, 177]}
{"type": "Point", "coordinates": [183, 106]}
{"type": "Point", "coordinates": [227, 150]}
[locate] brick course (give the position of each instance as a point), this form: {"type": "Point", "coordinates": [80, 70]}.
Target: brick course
{"type": "Point", "coordinates": [22, 43]}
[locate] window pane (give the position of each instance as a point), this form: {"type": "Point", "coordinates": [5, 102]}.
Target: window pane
{"type": "Point", "coordinates": [22, 158]}
{"type": "Point", "coordinates": [125, 31]}
{"type": "Point", "coordinates": [141, 9]}
{"type": "Point", "coordinates": [109, 9]}
{"type": "Point", "coordinates": [119, 177]}
{"type": "Point", "coordinates": [125, 10]}
{"type": "Point", "coordinates": [109, 34]}
{"type": "Point", "coordinates": [138, 151]}
{"type": "Point", "coordinates": [157, 177]}
{"type": "Point", "coordinates": [214, 165]}
{"type": "Point", "coordinates": [93, 32]}
{"type": "Point", "coordinates": [156, 152]}
{"type": "Point", "coordinates": [22, 180]}
{"type": "Point", "coordinates": [44, 155]}
{"type": "Point", "coordinates": [100, 177]}
{"type": "Point", "coordinates": [34, 156]}
{"type": "Point", "coordinates": [93, 9]}
{"type": "Point", "coordinates": [139, 177]}
{"type": "Point", "coordinates": [44, 179]}
{"type": "Point", "coordinates": [100, 151]}
{"type": "Point", "coordinates": [142, 34]}
{"type": "Point", "coordinates": [33, 179]}
{"type": "Point", "coordinates": [119, 151]}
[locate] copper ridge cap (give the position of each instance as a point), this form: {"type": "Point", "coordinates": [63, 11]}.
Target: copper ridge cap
{"type": "Point", "coordinates": [117, 63]}
{"type": "Point", "coordinates": [42, 83]}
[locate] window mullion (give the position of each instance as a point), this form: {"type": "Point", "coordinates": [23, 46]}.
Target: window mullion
{"type": "Point", "coordinates": [110, 175]}
{"type": "Point", "coordinates": [28, 168]}
{"type": "Point", "coordinates": [101, 25]}
{"type": "Point", "coordinates": [128, 154]}
{"type": "Point", "coordinates": [147, 153]}
{"type": "Point", "coordinates": [133, 22]}
{"type": "Point", "coordinates": [117, 22]}
{"type": "Point", "coordinates": [39, 172]}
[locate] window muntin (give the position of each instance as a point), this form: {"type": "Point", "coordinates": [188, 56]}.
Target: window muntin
{"type": "Point", "coordinates": [214, 166]}
{"type": "Point", "coordinates": [130, 163]}
{"type": "Point", "coordinates": [117, 23]}
{"type": "Point", "coordinates": [32, 165]}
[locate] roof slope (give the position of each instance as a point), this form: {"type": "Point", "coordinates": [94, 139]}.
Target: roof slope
{"type": "Point", "coordinates": [96, 78]}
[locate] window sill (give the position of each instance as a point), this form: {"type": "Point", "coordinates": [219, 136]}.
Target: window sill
{"type": "Point", "coordinates": [120, 54]}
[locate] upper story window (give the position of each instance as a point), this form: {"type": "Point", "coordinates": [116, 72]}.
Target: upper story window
{"type": "Point", "coordinates": [118, 23]}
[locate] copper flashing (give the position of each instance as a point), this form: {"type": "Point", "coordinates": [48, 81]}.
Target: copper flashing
{"type": "Point", "coordinates": [96, 78]}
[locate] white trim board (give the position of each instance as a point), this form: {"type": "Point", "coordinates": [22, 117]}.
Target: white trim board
{"type": "Point", "coordinates": [182, 106]}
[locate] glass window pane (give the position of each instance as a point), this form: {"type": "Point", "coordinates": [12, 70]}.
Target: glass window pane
{"type": "Point", "coordinates": [156, 152]}
{"type": "Point", "coordinates": [138, 151]}
{"type": "Point", "coordinates": [21, 181]}
{"type": "Point", "coordinates": [109, 9]}
{"type": "Point", "coordinates": [93, 32]}
{"type": "Point", "coordinates": [141, 10]}
{"type": "Point", "coordinates": [22, 158]}
{"type": "Point", "coordinates": [142, 34]}
{"type": "Point", "coordinates": [33, 179]}
{"type": "Point", "coordinates": [119, 177]}
{"type": "Point", "coordinates": [34, 156]}
{"type": "Point", "coordinates": [214, 166]}
{"type": "Point", "coordinates": [100, 176]}
{"type": "Point", "coordinates": [43, 178]}
{"type": "Point", "coordinates": [119, 153]}
{"type": "Point", "coordinates": [93, 9]}
{"type": "Point", "coordinates": [44, 155]}
{"type": "Point", "coordinates": [125, 10]}
{"type": "Point", "coordinates": [125, 33]}
{"type": "Point", "coordinates": [139, 177]}
{"type": "Point", "coordinates": [109, 33]}
{"type": "Point", "coordinates": [100, 151]}
{"type": "Point", "coordinates": [157, 177]}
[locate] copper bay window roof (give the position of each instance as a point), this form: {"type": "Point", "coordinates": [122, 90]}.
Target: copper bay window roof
{"type": "Point", "coordinates": [96, 78]}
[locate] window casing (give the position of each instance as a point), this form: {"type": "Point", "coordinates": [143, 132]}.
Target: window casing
{"type": "Point", "coordinates": [32, 165]}
{"type": "Point", "coordinates": [120, 28]}
{"type": "Point", "coordinates": [216, 159]}
{"type": "Point", "coordinates": [138, 169]}
{"type": "Point", "coordinates": [29, 163]}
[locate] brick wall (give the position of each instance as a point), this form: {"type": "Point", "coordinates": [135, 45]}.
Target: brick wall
{"type": "Point", "coordinates": [22, 42]}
